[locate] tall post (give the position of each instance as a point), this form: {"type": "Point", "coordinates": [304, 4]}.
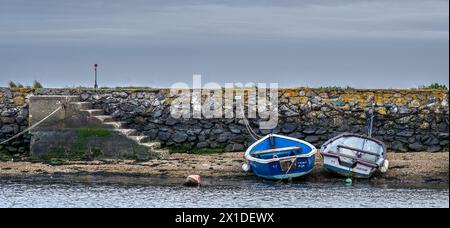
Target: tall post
{"type": "Point", "coordinates": [95, 69]}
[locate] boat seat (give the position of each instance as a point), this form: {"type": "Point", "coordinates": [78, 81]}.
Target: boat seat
{"type": "Point", "coordinates": [292, 150]}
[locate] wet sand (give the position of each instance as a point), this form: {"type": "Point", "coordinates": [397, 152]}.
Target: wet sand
{"type": "Point", "coordinates": [406, 169]}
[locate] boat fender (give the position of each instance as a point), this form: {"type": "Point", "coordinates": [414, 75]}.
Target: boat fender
{"type": "Point", "coordinates": [246, 167]}
{"type": "Point", "coordinates": [348, 181]}
{"type": "Point", "coordinates": [385, 166]}
{"type": "Point", "coordinates": [192, 181]}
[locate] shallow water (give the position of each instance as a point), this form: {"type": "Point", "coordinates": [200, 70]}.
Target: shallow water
{"type": "Point", "coordinates": [245, 194]}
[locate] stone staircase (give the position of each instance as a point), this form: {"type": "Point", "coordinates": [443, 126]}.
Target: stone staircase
{"type": "Point", "coordinates": [120, 127]}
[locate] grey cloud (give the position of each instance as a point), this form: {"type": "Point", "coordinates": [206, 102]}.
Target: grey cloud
{"type": "Point", "coordinates": [377, 43]}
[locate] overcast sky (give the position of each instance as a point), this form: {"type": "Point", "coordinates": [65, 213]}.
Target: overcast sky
{"type": "Point", "coordinates": [366, 44]}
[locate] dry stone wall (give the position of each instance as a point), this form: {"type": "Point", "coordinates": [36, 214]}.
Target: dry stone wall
{"type": "Point", "coordinates": [407, 120]}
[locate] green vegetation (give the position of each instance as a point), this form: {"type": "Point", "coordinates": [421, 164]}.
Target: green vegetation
{"type": "Point", "coordinates": [186, 148]}
{"type": "Point", "coordinates": [11, 84]}
{"type": "Point", "coordinates": [132, 87]}
{"type": "Point", "coordinates": [436, 86]}
{"type": "Point", "coordinates": [336, 88]}
{"type": "Point", "coordinates": [78, 152]}
{"type": "Point", "coordinates": [36, 85]}
{"type": "Point", "coordinates": [85, 133]}
{"type": "Point", "coordinates": [5, 156]}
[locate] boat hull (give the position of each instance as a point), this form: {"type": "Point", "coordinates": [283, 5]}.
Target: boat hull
{"type": "Point", "coordinates": [353, 162]}
{"type": "Point", "coordinates": [279, 160]}
{"type": "Point", "coordinates": [332, 164]}
{"type": "Point", "coordinates": [274, 171]}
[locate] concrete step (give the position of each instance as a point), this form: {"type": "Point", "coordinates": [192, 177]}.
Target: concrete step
{"type": "Point", "coordinates": [105, 118]}
{"type": "Point", "coordinates": [83, 105]}
{"type": "Point", "coordinates": [128, 132]}
{"type": "Point", "coordinates": [152, 145]}
{"type": "Point", "coordinates": [116, 124]}
{"type": "Point", "coordinates": [141, 139]}
{"type": "Point", "coordinates": [94, 112]}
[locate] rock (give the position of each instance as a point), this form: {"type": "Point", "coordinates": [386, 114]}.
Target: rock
{"type": "Point", "coordinates": [197, 130]}
{"type": "Point", "coordinates": [382, 111]}
{"type": "Point", "coordinates": [202, 145]}
{"type": "Point", "coordinates": [404, 110]}
{"type": "Point", "coordinates": [21, 119]}
{"type": "Point", "coordinates": [291, 113]}
{"type": "Point", "coordinates": [312, 139]}
{"type": "Point", "coordinates": [431, 141]}
{"type": "Point", "coordinates": [117, 114]}
{"type": "Point", "coordinates": [84, 96]}
{"type": "Point", "coordinates": [163, 136]}
{"type": "Point", "coordinates": [321, 131]}
{"type": "Point", "coordinates": [127, 107]}
{"type": "Point", "coordinates": [152, 133]}
{"type": "Point", "coordinates": [309, 131]}
{"type": "Point", "coordinates": [388, 138]}
{"type": "Point", "coordinates": [405, 133]}
{"type": "Point", "coordinates": [8, 113]}
{"type": "Point", "coordinates": [171, 121]}
{"type": "Point", "coordinates": [192, 138]}
{"type": "Point", "coordinates": [434, 149]}
{"type": "Point", "coordinates": [414, 104]}
{"type": "Point", "coordinates": [424, 126]}
{"type": "Point", "coordinates": [234, 129]}
{"type": "Point", "coordinates": [404, 120]}
{"type": "Point", "coordinates": [234, 147]}
{"type": "Point", "coordinates": [179, 137]}
{"type": "Point", "coordinates": [7, 129]}
{"type": "Point", "coordinates": [156, 113]}
{"type": "Point", "coordinates": [398, 146]}
{"type": "Point", "coordinates": [7, 120]}
{"type": "Point", "coordinates": [323, 95]}
{"type": "Point", "coordinates": [120, 94]}
{"type": "Point", "coordinates": [218, 131]}
{"type": "Point", "coordinates": [316, 100]}
{"type": "Point", "coordinates": [223, 137]}
{"type": "Point", "coordinates": [207, 125]}
{"type": "Point", "coordinates": [297, 135]}
{"type": "Point", "coordinates": [417, 147]}
{"type": "Point", "coordinates": [443, 136]}
{"type": "Point", "coordinates": [140, 120]}
{"type": "Point", "coordinates": [288, 128]}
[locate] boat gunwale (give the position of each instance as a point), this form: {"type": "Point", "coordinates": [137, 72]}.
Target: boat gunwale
{"type": "Point", "coordinates": [267, 161]}
{"type": "Point", "coordinates": [347, 134]}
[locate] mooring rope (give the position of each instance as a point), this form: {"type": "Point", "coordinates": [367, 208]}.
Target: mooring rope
{"type": "Point", "coordinates": [251, 132]}
{"type": "Point", "coordinates": [34, 125]}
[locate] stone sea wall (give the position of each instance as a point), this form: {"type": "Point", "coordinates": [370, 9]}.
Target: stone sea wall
{"type": "Point", "coordinates": [406, 120]}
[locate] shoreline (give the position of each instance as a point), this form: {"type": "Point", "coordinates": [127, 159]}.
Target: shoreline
{"type": "Point", "coordinates": [415, 170]}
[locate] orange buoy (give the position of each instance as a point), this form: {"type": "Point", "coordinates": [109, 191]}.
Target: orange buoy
{"type": "Point", "coordinates": [192, 180]}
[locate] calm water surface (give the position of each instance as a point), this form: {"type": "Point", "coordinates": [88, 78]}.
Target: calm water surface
{"type": "Point", "coordinates": [246, 194]}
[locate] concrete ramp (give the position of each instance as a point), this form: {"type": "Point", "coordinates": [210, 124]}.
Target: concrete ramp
{"type": "Point", "coordinates": [79, 132]}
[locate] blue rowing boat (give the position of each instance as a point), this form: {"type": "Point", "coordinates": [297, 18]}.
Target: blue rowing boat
{"type": "Point", "coordinates": [280, 157]}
